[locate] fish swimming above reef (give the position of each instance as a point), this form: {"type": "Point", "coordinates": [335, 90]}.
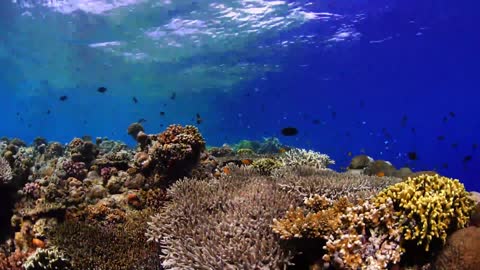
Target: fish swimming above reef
{"type": "Point", "coordinates": [102, 89]}
{"type": "Point", "coordinates": [63, 98]}
{"type": "Point", "coordinates": [289, 131]}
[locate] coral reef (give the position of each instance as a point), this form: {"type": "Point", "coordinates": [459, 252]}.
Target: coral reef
{"type": "Point", "coordinates": [221, 223]}
{"type": "Point", "coordinates": [430, 207]}
{"type": "Point", "coordinates": [5, 171]}
{"type": "Point", "coordinates": [171, 154]}
{"type": "Point", "coordinates": [47, 259]}
{"type": "Point", "coordinates": [260, 205]}
{"type": "Point", "coordinates": [122, 246]}
{"type": "Point", "coordinates": [300, 157]}
{"type": "Point", "coordinates": [460, 251]}
{"type": "Point", "coordinates": [265, 166]}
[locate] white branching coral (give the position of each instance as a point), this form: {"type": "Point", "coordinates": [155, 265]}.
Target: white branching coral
{"type": "Point", "coordinates": [5, 171]}
{"type": "Point", "coordinates": [300, 157]}
{"type": "Point", "coordinates": [47, 259]}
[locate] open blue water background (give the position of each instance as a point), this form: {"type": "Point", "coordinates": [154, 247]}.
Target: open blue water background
{"type": "Point", "coordinates": [381, 77]}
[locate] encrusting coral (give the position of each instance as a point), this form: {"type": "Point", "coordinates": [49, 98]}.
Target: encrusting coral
{"type": "Point", "coordinates": [361, 236]}
{"type": "Point", "coordinates": [429, 207]}
{"type": "Point", "coordinates": [171, 154]}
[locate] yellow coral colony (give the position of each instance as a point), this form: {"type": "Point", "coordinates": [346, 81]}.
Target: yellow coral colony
{"type": "Point", "coordinates": [428, 207]}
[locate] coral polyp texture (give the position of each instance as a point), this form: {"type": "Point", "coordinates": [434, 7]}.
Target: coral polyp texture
{"type": "Point", "coordinates": [221, 224]}
{"type": "Point", "coordinates": [301, 157]}
{"type": "Point", "coordinates": [171, 154]}
{"type": "Point", "coordinates": [429, 206]}
{"type": "Point", "coordinates": [5, 171]}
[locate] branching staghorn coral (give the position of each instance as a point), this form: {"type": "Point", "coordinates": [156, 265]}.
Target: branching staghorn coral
{"type": "Point", "coordinates": [221, 224]}
{"type": "Point", "coordinates": [429, 206]}
{"type": "Point", "coordinates": [47, 259]}
{"type": "Point", "coordinates": [5, 171]}
{"type": "Point", "coordinates": [300, 157]}
{"type": "Point", "coordinates": [331, 184]}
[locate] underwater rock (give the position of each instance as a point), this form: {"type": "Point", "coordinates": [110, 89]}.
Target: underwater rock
{"type": "Point", "coordinates": [360, 162]}
{"type": "Point", "coordinates": [114, 185]}
{"type": "Point", "coordinates": [380, 168]}
{"type": "Point", "coordinates": [96, 192]}
{"type": "Point", "coordinates": [134, 129]}
{"type": "Point", "coordinates": [461, 251]}
{"type": "Point", "coordinates": [403, 172]}
{"type": "Point", "coordinates": [171, 154]}
{"type": "Point", "coordinates": [271, 146]}
{"type": "Point", "coordinates": [224, 151]}
{"type": "Point", "coordinates": [82, 151]}
{"type": "Point", "coordinates": [135, 182]}
{"type": "Point", "coordinates": [54, 150]}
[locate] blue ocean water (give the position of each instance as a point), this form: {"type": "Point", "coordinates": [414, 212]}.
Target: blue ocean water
{"type": "Point", "coordinates": [383, 78]}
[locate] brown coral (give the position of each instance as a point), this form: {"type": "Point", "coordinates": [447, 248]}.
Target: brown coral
{"type": "Point", "coordinates": [171, 154]}
{"type": "Point", "coordinates": [122, 247]}
{"type": "Point", "coordinates": [461, 251]}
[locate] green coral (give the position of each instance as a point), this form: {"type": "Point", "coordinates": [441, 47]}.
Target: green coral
{"type": "Point", "coordinates": [429, 206]}
{"type": "Point", "coordinates": [265, 166]}
{"type": "Point", "coordinates": [47, 259]}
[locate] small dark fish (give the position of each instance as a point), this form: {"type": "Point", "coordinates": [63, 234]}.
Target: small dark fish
{"type": "Point", "coordinates": [404, 120]}
{"type": "Point", "coordinates": [467, 158]}
{"type": "Point", "coordinates": [412, 155]}
{"type": "Point", "coordinates": [173, 96]}
{"type": "Point", "coordinates": [161, 125]}
{"type": "Point", "coordinates": [413, 130]}
{"type": "Point", "coordinates": [445, 119]}
{"type": "Point", "coordinates": [18, 113]}
{"type": "Point", "coordinates": [141, 120]}
{"type": "Point", "coordinates": [334, 115]}
{"type": "Point", "coordinates": [455, 145]}
{"type": "Point", "coordinates": [316, 121]}
{"type": "Point", "coordinates": [452, 114]}
{"type": "Point", "coordinates": [348, 134]}
{"type": "Point", "coordinates": [445, 165]}
{"type": "Point", "coordinates": [441, 138]}
{"type": "Point", "coordinates": [162, 113]}
{"type": "Point", "coordinates": [199, 120]}
{"type": "Point", "coordinates": [135, 100]}
{"type": "Point", "coordinates": [102, 89]}
{"type": "Point", "coordinates": [63, 98]}
{"type": "Point", "coordinates": [289, 131]}
{"type": "Point", "coordinates": [474, 146]}
{"type": "Point", "coordinates": [48, 111]}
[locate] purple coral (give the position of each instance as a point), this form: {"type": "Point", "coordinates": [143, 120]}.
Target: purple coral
{"type": "Point", "coordinates": [106, 172]}
{"type": "Point", "coordinates": [5, 171]}
{"type": "Point", "coordinates": [75, 169]}
{"type": "Point", "coordinates": [32, 189]}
